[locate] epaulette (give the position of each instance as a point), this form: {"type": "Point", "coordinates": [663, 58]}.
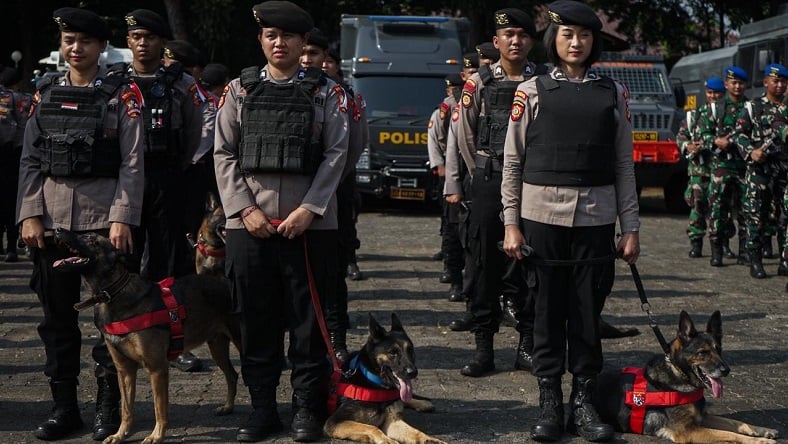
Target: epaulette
{"type": "Point", "coordinates": [111, 83]}
{"type": "Point", "coordinates": [313, 77]}
{"type": "Point", "coordinates": [45, 82]}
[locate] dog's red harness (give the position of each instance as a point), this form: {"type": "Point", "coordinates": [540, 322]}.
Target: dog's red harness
{"type": "Point", "coordinates": [339, 389]}
{"type": "Point", "coordinates": [173, 314]}
{"type": "Point", "coordinates": [643, 395]}
{"type": "Point", "coordinates": [212, 253]}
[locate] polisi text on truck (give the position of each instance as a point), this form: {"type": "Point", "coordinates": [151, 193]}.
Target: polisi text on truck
{"type": "Point", "coordinates": [402, 138]}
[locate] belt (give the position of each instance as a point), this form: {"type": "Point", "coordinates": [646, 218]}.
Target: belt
{"type": "Point", "coordinates": [494, 164]}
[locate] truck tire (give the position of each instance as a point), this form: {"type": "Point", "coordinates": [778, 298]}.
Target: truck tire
{"type": "Point", "coordinates": [673, 192]}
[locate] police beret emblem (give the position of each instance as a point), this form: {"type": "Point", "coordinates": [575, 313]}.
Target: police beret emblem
{"type": "Point", "coordinates": [466, 62]}
{"type": "Point", "coordinates": [501, 18]}
{"type": "Point", "coordinates": [168, 52]}
{"type": "Point", "coordinates": [59, 22]}
{"type": "Point", "coordinates": [257, 19]}
{"type": "Point", "coordinates": [130, 20]}
{"type": "Point", "coordinates": [555, 18]}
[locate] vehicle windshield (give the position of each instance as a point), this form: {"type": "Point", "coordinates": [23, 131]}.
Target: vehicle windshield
{"type": "Point", "coordinates": [638, 80]}
{"type": "Point", "coordinates": [400, 96]}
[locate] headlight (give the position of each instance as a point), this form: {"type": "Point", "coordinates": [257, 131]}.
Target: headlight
{"type": "Point", "coordinates": [363, 161]}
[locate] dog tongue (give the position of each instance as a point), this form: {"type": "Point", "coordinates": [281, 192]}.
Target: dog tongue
{"type": "Point", "coordinates": [405, 390]}
{"type": "Point", "coordinates": [716, 387]}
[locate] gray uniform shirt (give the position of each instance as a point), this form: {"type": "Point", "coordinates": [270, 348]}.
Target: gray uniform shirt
{"type": "Point", "coordinates": [437, 131]}
{"type": "Point", "coordinates": [279, 194]}
{"type": "Point", "coordinates": [87, 203]}
{"type": "Point", "coordinates": [564, 205]}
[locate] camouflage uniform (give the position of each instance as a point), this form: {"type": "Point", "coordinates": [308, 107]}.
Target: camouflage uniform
{"type": "Point", "coordinates": [699, 173]}
{"type": "Point", "coordinates": [727, 188]}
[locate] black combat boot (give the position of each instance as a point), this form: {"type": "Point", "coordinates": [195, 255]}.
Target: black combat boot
{"type": "Point", "coordinates": [264, 419]}
{"type": "Point", "coordinates": [455, 293]}
{"type": "Point", "coordinates": [782, 269]}
{"type": "Point", "coordinates": [308, 418]}
{"type": "Point", "coordinates": [697, 248]}
{"type": "Point", "coordinates": [65, 418]}
{"type": "Point", "coordinates": [756, 265]}
{"type": "Point", "coordinates": [339, 343]}
{"type": "Point", "coordinates": [483, 362]}
{"type": "Point", "coordinates": [726, 249]}
{"type": "Point", "coordinates": [716, 253]}
{"type": "Point", "coordinates": [525, 352]}
{"type": "Point", "coordinates": [583, 417]}
{"type": "Point", "coordinates": [768, 251]}
{"type": "Point", "coordinates": [446, 277]}
{"type": "Point", "coordinates": [464, 323]}
{"type": "Point", "coordinates": [550, 424]}
{"type": "Point", "coordinates": [744, 254]}
{"type": "Point", "coordinates": [107, 419]}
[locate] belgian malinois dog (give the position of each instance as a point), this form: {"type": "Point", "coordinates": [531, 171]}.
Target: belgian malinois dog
{"type": "Point", "coordinates": [693, 364]}
{"type": "Point", "coordinates": [386, 363]}
{"type": "Point", "coordinates": [209, 246]}
{"type": "Point", "coordinates": [120, 295]}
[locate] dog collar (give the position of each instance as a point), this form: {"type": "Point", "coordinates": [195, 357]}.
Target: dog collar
{"type": "Point", "coordinates": [212, 253]}
{"type": "Point", "coordinates": [355, 364]}
{"type": "Point", "coordinates": [105, 294]}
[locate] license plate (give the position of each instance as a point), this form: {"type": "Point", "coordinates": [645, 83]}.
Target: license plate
{"type": "Point", "coordinates": [645, 136]}
{"type": "Point", "coordinates": [408, 193]}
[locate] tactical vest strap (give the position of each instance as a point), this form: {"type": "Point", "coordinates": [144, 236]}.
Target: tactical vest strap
{"type": "Point", "coordinates": [250, 77]}
{"type": "Point", "coordinates": [486, 74]}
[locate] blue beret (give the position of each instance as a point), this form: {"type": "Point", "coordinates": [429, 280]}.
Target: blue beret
{"type": "Point", "coordinates": [487, 50]}
{"type": "Point", "coordinates": [514, 18]}
{"type": "Point", "coordinates": [284, 15]}
{"type": "Point", "coordinates": [470, 60]}
{"type": "Point", "coordinates": [317, 38]}
{"type": "Point", "coordinates": [734, 72]}
{"type": "Point", "coordinates": [183, 51]}
{"type": "Point", "coordinates": [454, 80]}
{"type": "Point", "coordinates": [147, 19]}
{"type": "Point", "coordinates": [715, 84]}
{"type": "Point", "coordinates": [775, 70]}
{"type": "Point", "coordinates": [81, 20]}
{"type": "Point", "coordinates": [568, 12]}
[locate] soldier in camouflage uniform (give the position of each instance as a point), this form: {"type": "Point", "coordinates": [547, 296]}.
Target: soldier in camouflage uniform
{"type": "Point", "coordinates": [727, 190]}
{"type": "Point", "coordinates": [767, 163]}
{"type": "Point", "coordinates": [698, 167]}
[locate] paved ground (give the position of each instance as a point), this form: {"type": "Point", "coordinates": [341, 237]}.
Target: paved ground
{"type": "Point", "coordinates": [400, 277]}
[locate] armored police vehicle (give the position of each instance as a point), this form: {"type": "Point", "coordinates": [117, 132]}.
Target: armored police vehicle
{"type": "Point", "coordinates": [655, 113]}
{"type": "Point", "coordinates": [398, 63]}
{"type": "Point", "coordinates": [761, 43]}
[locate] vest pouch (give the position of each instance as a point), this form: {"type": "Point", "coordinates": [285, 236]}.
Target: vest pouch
{"type": "Point", "coordinates": [261, 153]}
{"type": "Point", "coordinates": [483, 139]}
{"type": "Point", "coordinates": [58, 154]}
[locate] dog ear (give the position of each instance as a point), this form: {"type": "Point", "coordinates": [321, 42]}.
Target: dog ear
{"type": "Point", "coordinates": [376, 331]}
{"type": "Point", "coordinates": [714, 328]}
{"type": "Point", "coordinates": [396, 325]}
{"type": "Point", "coordinates": [211, 203]}
{"type": "Point", "coordinates": [686, 327]}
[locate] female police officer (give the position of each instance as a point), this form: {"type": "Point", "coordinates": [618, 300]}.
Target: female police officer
{"type": "Point", "coordinates": [280, 148]}
{"type": "Point", "coordinates": [81, 169]}
{"type": "Point", "coordinates": [567, 175]}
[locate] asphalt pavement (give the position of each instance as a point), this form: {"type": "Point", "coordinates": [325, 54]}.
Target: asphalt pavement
{"type": "Point", "coordinates": [401, 277]}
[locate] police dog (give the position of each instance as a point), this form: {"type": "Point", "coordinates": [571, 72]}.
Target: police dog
{"type": "Point", "coordinates": [120, 295]}
{"type": "Point", "coordinates": [209, 246]}
{"type": "Point", "coordinates": [693, 364]}
{"type": "Point", "coordinates": [386, 363]}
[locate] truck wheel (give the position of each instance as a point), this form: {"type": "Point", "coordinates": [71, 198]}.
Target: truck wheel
{"type": "Point", "coordinates": [674, 194]}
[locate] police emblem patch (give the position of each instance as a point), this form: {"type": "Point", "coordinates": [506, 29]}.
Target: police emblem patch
{"type": "Point", "coordinates": [341, 100]}
{"type": "Point", "coordinates": [517, 110]}
{"type": "Point", "coordinates": [224, 94]}
{"type": "Point", "coordinates": [429, 125]}
{"type": "Point", "coordinates": [444, 110]}
{"type": "Point", "coordinates": [467, 99]}
{"type": "Point", "coordinates": [455, 116]}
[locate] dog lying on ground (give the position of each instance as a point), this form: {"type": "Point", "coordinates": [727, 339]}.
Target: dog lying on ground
{"type": "Point", "coordinates": [120, 295]}
{"type": "Point", "coordinates": [375, 388]}
{"type": "Point", "coordinates": [677, 381]}
{"type": "Point", "coordinates": [209, 247]}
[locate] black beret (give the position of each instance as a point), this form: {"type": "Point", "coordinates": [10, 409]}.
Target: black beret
{"type": "Point", "coordinates": [9, 76]}
{"type": "Point", "coordinates": [317, 38]}
{"type": "Point", "coordinates": [487, 50]}
{"type": "Point", "coordinates": [284, 15]}
{"type": "Point", "coordinates": [214, 74]}
{"type": "Point", "coordinates": [81, 20]}
{"type": "Point", "coordinates": [333, 54]}
{"type": "Point", "coordinates": [470, 60]}
{"type": "Point", "coordinates": [569, 12]}
{"type": "Point", "coordinates": [183, 51]}
{"type": "Point", "coordinates": [147, 19]}
{"type": "Point", "coordinates": [514, 18]}
{"type": "Point", "coordinates": [454, 80]}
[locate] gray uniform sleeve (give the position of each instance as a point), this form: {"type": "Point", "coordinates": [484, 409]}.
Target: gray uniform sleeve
{"type": "Point", "coordinates": [234, 192]}
{"type": "Point", "coordinates": [433, 147]}
{"type": "Point", "coordinates": [470, 108]}
{"type": "Point", "coordinates": [208, 130]}
{"type": "Point", "coordinates": [525, 101]}
{"type": "Point", "coordinates": [30, 195]}
{"type": "Point", "coordinates": [453, 184]}
{"type": "Point", "coordinates": [127, 204]}
{"type": "Point", "coordinates": [192, 107]}
{"type": "Point", "coordinates": [359, 134]}
{"type": "Point", "coordinates": [626, 191]}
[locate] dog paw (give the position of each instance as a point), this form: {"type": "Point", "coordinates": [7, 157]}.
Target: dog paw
{"type": "Point", "coordinates": [433, 440]}
{"type": "Point", "coordinates": [152, 439]}
{"type": "Point", "coordinates": [420, 405]}
{"type": "Point", "coordinates": [113, 439]}
{"type": "Point", "coordinates": [223, 410]}
{"type": "Point", "coordinates": [771, 433]}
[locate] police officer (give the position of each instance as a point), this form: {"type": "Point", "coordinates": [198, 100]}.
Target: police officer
{"type": "Point", "coordinates": [14, 110]}
{"type": "Point", "coordinates": [437, 134]}
{"type": "Point", "coordinates": [81, 170]}
{"type": "Point", "coordinates": [282, 216]}
{"type": "Point", "coordinates": [173, 118]}
{"type": "Point", "coordinates": [214, 77]}
{"type": "Point", "coordinates": [767, 164]}
{"type": "Point", "coordinates": [727, 190]}
{"type": "Point", "coordinates": [481, 128]}
{"type": "Point", "coordinates": [337, 320]}
{"type": "Point", "coordinates": [698, 167]}
{"type": "Point", "coordinates": [566, 211]}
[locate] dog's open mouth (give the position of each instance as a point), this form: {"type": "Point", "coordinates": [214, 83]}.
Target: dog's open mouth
{"type": "Point", "coordinates": [715, 384]}
{"type": "Point", "coordinates": [73, 260]}
{"type": "Point", "coordinates": [404, 385]}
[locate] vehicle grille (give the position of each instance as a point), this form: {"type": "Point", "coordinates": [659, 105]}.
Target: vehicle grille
{"type": "Point", "coordinates": [651, 121]}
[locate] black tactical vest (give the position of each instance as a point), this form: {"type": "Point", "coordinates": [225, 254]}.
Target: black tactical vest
{"type": "Point", "coordinates": [73, 140]}
{"type": "Point", "coordinates": [571, 140]}
{"type": "Point", "coordinates": [497, 98]}
{"type": "Point", "coordinates": [162, 127]}
{"type": "Point", "coordinates": [276, 124]}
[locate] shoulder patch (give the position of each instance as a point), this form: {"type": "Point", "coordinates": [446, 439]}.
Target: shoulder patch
{"type": "Point", "coordinates": [34, 104]}
{"type": "Point", "coordinates": [520, 94]}
{"type": "Point", "coordinates": [431, 124]}
{"type": "Point", "coordinates": [131, 100]}
{"type": "Point", "coordinates": [467, 99]}
{"type": "Point", "coordinates": [518, 109]}
{"type": "Point", "coordinates": [444, 110]}
{"type": "Point", "coordinates": [455, 116]}
{"type": "Point", "coordinates": [224, 94]}
{"type": "Point", "coordinates": [470, 86]}
{"type": "Point", "coordinates": [341, 99]}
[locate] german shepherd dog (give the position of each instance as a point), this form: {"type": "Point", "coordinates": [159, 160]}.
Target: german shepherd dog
{"type": "Point", "coordinates": [387, 361]}
{"type": "Point", "coordinates": [209, 245]}
{"type": "Point", "coordinates": [120, 295]}
{"type": "Point", "coordinates": [694, 363]}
